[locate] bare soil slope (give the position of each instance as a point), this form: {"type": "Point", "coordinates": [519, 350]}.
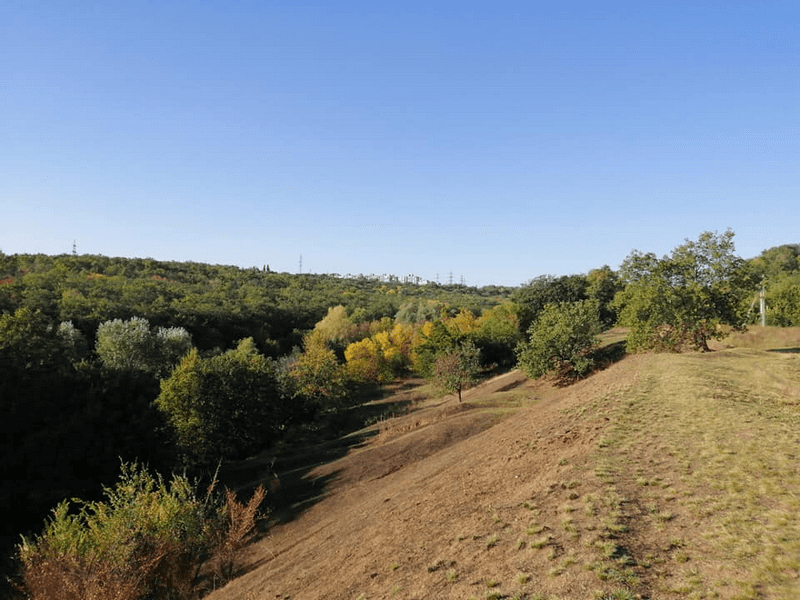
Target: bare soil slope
{"type": "Point", "coordinates": [528, 491]}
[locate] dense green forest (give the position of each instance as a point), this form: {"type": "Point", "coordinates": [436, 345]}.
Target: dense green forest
{"type": "Point", "coordinates": [180, 364]}
{"type": "Point", "coordinates": [218, 305]}
{"type": "Point", "coordinates": [72, 410]}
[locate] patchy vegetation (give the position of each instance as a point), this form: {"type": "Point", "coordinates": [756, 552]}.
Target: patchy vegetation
{"type": "Point", "coordinates": [662, 476]}
{"type": "Point", "coordinates": [181, 366]}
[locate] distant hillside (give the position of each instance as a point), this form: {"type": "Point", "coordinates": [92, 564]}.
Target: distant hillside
{"type": "Point", "coordinates": [217, 304]}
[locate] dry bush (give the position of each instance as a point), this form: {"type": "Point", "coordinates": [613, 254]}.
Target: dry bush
{"type": "Point", "coordinates": [51, 576]}
{"type": "Point", "coordinates": [164, 572]}
{"type": "Point", "coordinates": [148, 540]}
{"type": "Point", "coordinates": [239, 528]}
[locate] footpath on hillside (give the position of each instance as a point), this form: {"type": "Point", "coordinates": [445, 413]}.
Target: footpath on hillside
{"type": "Point", "coordinates": [663, 476]}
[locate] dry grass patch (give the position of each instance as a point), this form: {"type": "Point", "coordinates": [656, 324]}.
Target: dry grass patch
{"type": "Point", "coordinates": [725, 423]}
{"type": "Point", "coordinates": [663, 476]}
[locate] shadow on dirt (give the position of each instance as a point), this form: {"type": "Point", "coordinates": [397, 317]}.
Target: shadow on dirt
{"type": "Point", "coordinates": [285, 470]}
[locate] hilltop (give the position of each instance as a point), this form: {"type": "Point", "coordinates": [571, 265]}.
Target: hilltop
{"type": "Point", "coordinates": [663, 476]}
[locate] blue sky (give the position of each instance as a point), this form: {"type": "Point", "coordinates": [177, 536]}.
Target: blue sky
{"type": "Point", "coordinates": [498, 141]}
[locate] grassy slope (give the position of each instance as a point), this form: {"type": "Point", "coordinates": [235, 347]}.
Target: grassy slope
{"type": "Point", "coordinates": [703, 449]}
{"type": "Point", "coordinates": [664, 476]}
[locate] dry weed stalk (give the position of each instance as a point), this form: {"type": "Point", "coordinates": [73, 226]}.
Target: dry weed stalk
{"type": "Point", "coordinates": [240, 529]}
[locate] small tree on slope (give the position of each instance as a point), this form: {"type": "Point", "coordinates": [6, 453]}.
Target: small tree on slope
{"type": "Point", "coordinates": [457, 368]}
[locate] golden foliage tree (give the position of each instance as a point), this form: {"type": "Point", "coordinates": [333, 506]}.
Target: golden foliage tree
{"type": "Point", "coordinates": [366, 362]}
{"type": "Point", "coordinates": [317, 373]}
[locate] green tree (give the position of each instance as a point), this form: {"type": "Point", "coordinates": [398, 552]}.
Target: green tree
{"type": "Point", "coordinates": [777, 261]}
{"type": "Point", "coordinates": [779, 270]}
{"type": "Point", "coordinates": [125, 344]}
{"type": "Point", "coordinates": [682, 300]}
{"type": "Point", "coordinates": [783, 300]}
{"type": "Point", "coordinates": [547, 289]}
{"type": "Point", "coordinates": [419, 311]}
{"type": "Point", "coordinates": [171, 344]}
{"type": "Point", "coordinates": [436, 338]}
{"type": "Point", "coordinates": [75, 344]}
{"type": "Point", "coordinates": [336, 330]}
{"type": "Point", "coordinates": [603, 285]}
{"type": "Point", "coordinates": [456, 369]}
{"type": "Point", "coordinates": [561, 341]}
{"type": "Point", "coordinates": [226, 406]}
{"type": "Point", "coordinates": [498, 334]}
{"type": "Point", "coordinates": [134, 346]}
{"type": "Point", "coordinates": [29, 343]}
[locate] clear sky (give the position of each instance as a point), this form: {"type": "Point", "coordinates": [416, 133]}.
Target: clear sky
{"type": "Point", "coordinates": [497, 140]}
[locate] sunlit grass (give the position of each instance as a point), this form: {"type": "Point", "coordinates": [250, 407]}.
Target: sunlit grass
{"type": "Point", "coordinates": [726, 428]}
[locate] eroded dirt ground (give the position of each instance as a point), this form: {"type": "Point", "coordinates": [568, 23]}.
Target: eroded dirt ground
{"type": "Point", "coordinates": [414, 511]}
{"type": "Point", "coordinates": [649, 479]}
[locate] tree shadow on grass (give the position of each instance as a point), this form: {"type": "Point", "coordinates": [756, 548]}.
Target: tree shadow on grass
{"type": "Point", "coordinates": [609, 354]}
{"type": "Point", "coordinates": [785, 350]}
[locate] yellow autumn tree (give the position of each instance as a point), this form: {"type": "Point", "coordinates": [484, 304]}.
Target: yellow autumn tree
{"type": "Point", "coordinates": [464, 322]}
{"type": "Point", "coordinates": [336, 329]}
{"type": "Point", "coordinates": [366, 362]}
{"type": "Point", "coordinates": [396, 345]}
{"type": "Point", "coordinates": [317, 373]}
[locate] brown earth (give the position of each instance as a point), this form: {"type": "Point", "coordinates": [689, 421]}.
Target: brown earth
{"type": "Point", "coordinates": [413, 512]}
{"type": "Point", "coordinates": [662, 476]}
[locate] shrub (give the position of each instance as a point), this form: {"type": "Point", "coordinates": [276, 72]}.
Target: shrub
{"type": "Point", "coordinates": [561, 341]}
{"type": "Point", "coordinates": [147, 539]}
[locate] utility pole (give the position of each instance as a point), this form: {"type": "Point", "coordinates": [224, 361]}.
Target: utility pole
{"type": "Point", "coordinates": [300, 268]}
{"type": "Point", "coordinates": [762, 297]}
